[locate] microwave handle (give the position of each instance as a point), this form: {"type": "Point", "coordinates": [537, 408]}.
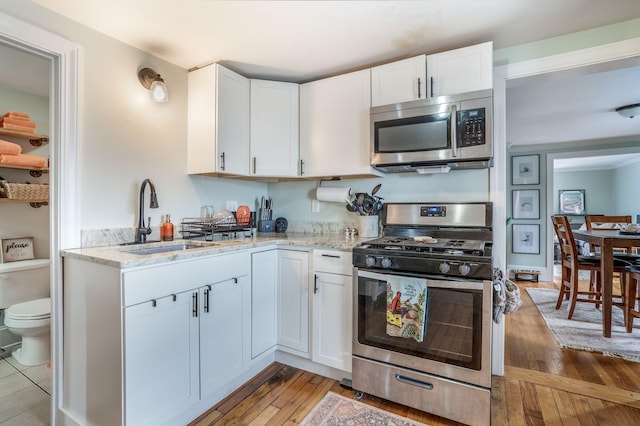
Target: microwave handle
{"type": "Point", "coordinates": [454, 130]}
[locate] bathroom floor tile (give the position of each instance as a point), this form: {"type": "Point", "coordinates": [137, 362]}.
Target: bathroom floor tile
{"type": "Point", "coordinates": [38, 374]}
{"type": "Point", "coordinates": [22, 401]}
{"type": "Point", "coordinates": [6, 368]}
{"type": "Point", "coordinates": [36, 416]}
{"type": "Point", "coordinates": [12, 383]}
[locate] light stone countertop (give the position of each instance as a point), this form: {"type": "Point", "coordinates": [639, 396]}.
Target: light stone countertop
{"type": "Point", "coordinates": [118, 256]}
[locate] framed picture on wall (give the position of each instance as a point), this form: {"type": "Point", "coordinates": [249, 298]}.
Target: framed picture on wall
{"type": "Point", "coordinates": [526, 204]}
{"type": "Point", "coordinates": [572, 201]}
{"type": "Point", "coordinates": [525, 170]}
{"type": "Point", "coordinates": [15, 249]}
{"type": "Point", "coordinates": [525, 239]}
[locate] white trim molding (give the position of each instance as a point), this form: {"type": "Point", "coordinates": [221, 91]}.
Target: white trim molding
{"type": "Point", "coordinates": [64, 215]}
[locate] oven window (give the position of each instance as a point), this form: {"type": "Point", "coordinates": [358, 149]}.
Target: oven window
{"type": "Point", "coordinates": [425, 133]}
{"type": "Point", "coordinates": [453, 332]}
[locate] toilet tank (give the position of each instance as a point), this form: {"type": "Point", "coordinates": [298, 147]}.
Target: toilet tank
{"type": "Point", "coordinates": [23, 281]}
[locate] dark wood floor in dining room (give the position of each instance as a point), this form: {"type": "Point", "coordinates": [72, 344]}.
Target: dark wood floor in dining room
{"type": "Point", "coordinates": [543, 385]}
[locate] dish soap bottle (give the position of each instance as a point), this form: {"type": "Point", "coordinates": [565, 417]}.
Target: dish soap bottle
{"type": "Point", "coordinates": [166, 229]}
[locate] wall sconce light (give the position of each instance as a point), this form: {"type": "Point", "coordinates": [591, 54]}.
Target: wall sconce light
{"type": "Point", "coordinates": [629, 111]}
{"type": "Point", "coordinates": [151, 80]}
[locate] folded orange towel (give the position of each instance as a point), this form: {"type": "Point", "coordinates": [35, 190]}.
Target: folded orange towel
{"type": "Point", "coordinates": [25, 160]}
{"type": "Point", "coordinates": [18, 121]}
{"type": "Point", "coordinates": [11, 148]}
{"type": "Point", "coordinates": [9, 126]}
{"type": "Point", "coordinates": [16, 114]}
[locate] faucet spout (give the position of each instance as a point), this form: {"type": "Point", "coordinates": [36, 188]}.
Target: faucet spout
{"type": "Point", "coordinates": [142, 231]}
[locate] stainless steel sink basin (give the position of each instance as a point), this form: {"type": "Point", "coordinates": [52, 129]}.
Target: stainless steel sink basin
{"type": "Point", "coordinates": [163, 249]}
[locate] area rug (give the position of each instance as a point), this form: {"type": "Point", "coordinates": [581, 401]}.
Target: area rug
{"type": "Point", "coordinates": [584, 330]}
{"type": "Point", "coordinates": [336, 410]}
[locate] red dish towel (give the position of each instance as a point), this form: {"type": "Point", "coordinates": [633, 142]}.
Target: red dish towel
{"type": "Point", "coordinates": [9, 148]}
{"type": "Point", "coordinates": [24, 160]}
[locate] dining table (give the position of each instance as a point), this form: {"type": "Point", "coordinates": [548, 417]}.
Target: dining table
{"type": "Point", "coordinates": [607, 240]}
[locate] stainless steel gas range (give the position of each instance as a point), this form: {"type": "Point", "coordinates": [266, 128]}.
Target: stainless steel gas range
{"type": "Point", "coordinates": [422, 314]}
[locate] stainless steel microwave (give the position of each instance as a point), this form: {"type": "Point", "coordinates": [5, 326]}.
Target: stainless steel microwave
{"type": "Point", "coordinates": [444, 132]}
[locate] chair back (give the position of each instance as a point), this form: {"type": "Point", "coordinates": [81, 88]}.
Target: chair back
{"type": "Point", "coordinates": [568, 248]}
{"type": "Point", "coordinates": [606, 223]}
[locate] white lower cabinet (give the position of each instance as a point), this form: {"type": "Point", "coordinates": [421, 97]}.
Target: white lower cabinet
{"type": "Point", "coordinates": [161, 359]}
{"type": "Point", "coordinates": [332, 309]}
{"type": "Point", "coordinates": [224, 311]}
{"type": "Point", "coordinates": [264, 287]}
{"type": "Point", "coordinates": [293, 302]}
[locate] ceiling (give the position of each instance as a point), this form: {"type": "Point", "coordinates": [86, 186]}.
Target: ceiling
{"type": "Point", "coordinates": [305, 40]}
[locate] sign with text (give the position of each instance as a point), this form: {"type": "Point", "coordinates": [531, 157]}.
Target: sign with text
{"type": "Point", "coordinates": [17, 249]}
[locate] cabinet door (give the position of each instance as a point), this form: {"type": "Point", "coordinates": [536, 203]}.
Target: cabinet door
{"type": "Point", "coordinates": [224, 328]}
{"type": "Point", "coordinates": [233, 121]}
{"type": "Point", "coordinates": [161, 359]}
{"type": "Point", "coordinates": [334, 125]}
{"type": "Point", "coordinates": [461, 70]}
{"type": "Point", "coordinates": [332, 320]}
{"type": "Point", "coordinates": [264, 282]}
{"type": "Point", "coordinates": [399, 81]}
{"type": "Point", "coordinates": [274, 128]}
{"type": "Point", "coordinates": [293, 302]}
{"type": "Point", "coordinates": [201, 121]}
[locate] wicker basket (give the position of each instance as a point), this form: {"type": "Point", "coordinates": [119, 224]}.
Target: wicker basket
{"type": "Point", "coordinates": [23, 191]}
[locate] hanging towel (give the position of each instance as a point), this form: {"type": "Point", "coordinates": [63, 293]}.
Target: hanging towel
{"type": "Point", "coordinates": [10, 148]}
{"type": "Point", "coordinates": [25, 160]}
{"type": "Point", "coordinates": [407, 304]}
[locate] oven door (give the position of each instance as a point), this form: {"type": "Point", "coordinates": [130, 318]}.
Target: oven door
{"type": "Point", "coordinates": [456, 340]}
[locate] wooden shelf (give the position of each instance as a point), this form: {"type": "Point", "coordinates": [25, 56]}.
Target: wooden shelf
{"type": "Point", "coordinates": [34, 203]}
{"type": "Point", "coordinates": [34, 138]}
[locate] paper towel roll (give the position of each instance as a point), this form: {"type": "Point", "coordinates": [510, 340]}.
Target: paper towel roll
{"type": "Point", "coordinates": [335, 194]}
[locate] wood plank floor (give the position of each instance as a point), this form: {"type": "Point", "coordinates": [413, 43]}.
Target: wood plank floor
{"type": "Point", "coordinates": [543, 385]}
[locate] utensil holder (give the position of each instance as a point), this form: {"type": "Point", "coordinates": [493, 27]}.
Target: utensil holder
{"type": "Point", "coordinates": [367, 226]}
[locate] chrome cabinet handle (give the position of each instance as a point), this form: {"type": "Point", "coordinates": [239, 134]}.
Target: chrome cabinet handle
{"type": "Point", "coordinates": [301, 167]}
{"type": "Point", "coordinates": [454, 130]}
{"type": "Point", "coordinates": [431, 83]}
{"type": "Point", "coordinates": [194, 303]}
{"type": "Point", "coordinates": [254, 165]}
{"type": "Point", "coordinates": [418, 87]}
{"type": "Point", "coordinates": [222, 165]}
{"type": "Point", "coordinates": [207, 290]}
{"type": "Point", "coordinates": [315, 283]}
{"type": "Point", "coordinates": [330, 255]}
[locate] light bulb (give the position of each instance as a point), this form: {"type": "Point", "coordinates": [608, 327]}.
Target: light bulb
{"type": "Point", "coordinates": [158, 90]}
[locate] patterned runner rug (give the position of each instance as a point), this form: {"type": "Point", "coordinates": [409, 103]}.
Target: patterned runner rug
{"type": "Point", "coordinates": [584, 330]}
{"type": "Point", "coordinates": [336, 410]}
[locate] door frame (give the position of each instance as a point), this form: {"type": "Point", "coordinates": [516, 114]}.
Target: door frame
{"type": "Point", "coordinates": [64, 217]}
{"type": "Point", "coordinates": [598, 56]}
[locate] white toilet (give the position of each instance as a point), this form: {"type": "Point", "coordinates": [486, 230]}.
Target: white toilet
{"type": "Point", "coordinates": [24, 294]}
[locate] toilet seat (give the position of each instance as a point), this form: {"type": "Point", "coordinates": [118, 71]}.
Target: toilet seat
{"type": "Point", "coordinates": [39, 309]}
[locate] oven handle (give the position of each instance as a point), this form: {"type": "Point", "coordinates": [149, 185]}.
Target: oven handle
{"type": "Point", "coordinates": [452, 284]}
{"type": "Point", "coordinates": [414, 382]}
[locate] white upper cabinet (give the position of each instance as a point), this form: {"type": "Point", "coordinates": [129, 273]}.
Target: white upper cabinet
{"type": "Point", "coordinates": [274, 128]}
{"type": "Point", "coordinates": [399, 81]}
{"type": "Point", "coordinates": [218, 122]}
{"type": "Point", "coordinates": [461, 70]}
{"type": "Point", "coordinates": [334, 126]}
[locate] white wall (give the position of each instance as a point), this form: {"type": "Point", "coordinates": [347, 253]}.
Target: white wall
{"type": "Point", "coordinates": [125, 138]}
{"type": "Point", "coordinates": [626, 180]}
{"type": "Point", "coordinates": [292, 200]}
{"type": "Point", "coordinates": [600, 191]}
{"type": "Point", "coordinates": [20, 219]}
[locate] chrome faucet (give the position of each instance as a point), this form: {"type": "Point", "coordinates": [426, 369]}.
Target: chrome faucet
{"type": "Point", "coordinates": [143, 231]}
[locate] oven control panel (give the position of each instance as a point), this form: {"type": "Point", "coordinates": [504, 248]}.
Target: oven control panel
{"type": "Point", "coordinates": [433, 211]}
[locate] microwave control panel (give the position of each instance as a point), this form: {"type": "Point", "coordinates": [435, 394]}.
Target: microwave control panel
{"type": "Point", "coordinates": [471, 127]}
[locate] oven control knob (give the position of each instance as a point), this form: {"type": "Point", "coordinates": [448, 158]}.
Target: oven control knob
{"type": "Point", "coordinates": [386, 262]}
{"type": "Point", "coordinates": [464, 269]}
{"type": "Point", "coordinates": [370, 261]}
{"type": "Point", "coordinates": [444, 267]}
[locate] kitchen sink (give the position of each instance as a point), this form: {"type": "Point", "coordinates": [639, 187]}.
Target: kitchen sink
{"type": "Point", "coordinates": [164, 249]}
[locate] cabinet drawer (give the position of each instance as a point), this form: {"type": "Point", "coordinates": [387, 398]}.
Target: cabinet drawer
{"type": "Point", "coordinates": [158, 281]}
{"type": "Point", "coordinates": [333, 262]}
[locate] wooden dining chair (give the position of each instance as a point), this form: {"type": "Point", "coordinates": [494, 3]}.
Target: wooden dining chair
{"type": "Point", "coordinates": [632, 304]}
{"type": "Point", "coordinates": [571, 264]}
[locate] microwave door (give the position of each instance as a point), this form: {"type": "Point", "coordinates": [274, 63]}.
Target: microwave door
{"type": "Point", "coordinates": [414, 135]}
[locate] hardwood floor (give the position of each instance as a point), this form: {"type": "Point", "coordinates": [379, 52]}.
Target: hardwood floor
{"type": "Point", "coordinates": [543, 385]}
